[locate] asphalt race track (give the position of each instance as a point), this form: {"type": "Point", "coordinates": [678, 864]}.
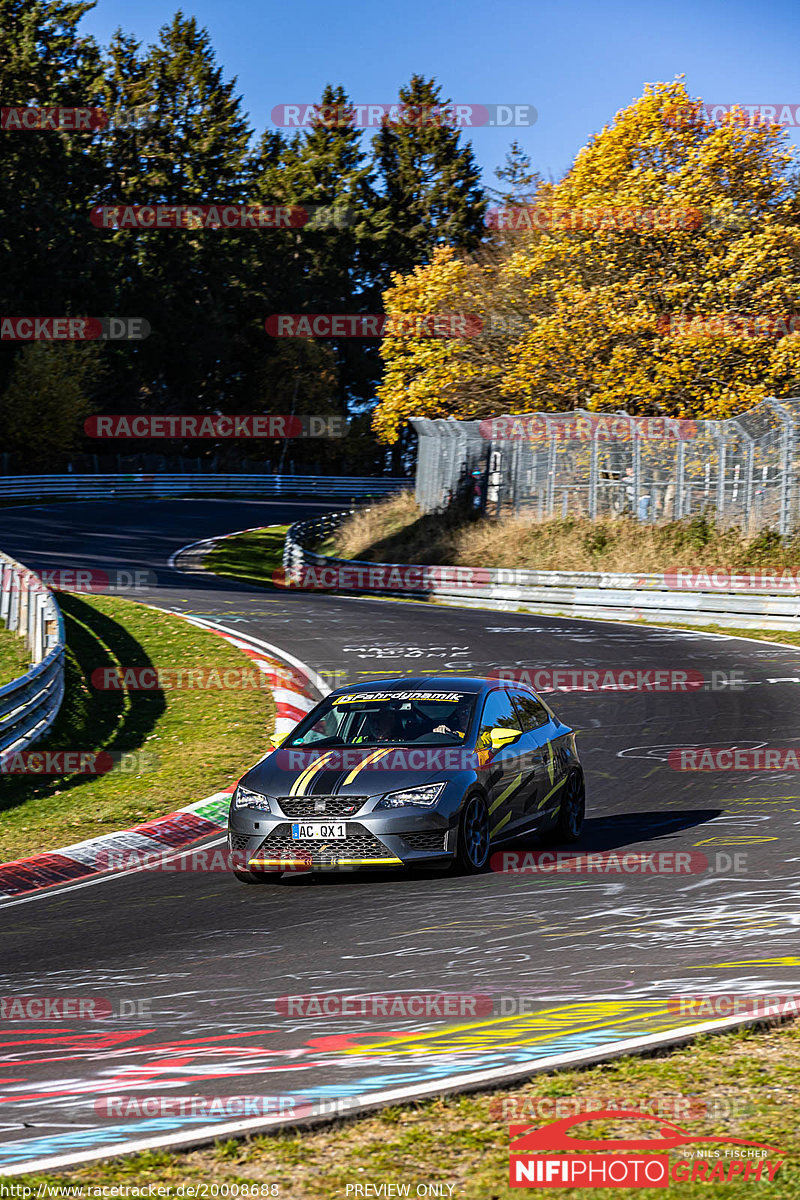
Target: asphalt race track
{"type": "Point", "coordinates": [572, 962]}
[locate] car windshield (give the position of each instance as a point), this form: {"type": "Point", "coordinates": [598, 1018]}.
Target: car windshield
{"type": "Point", "coordinates": [388, 719]}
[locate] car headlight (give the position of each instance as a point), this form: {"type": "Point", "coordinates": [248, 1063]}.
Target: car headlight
{"type": "Point", "coordinates": [244, 798]}
{"type": "Point", "coordinates": [417, 797]}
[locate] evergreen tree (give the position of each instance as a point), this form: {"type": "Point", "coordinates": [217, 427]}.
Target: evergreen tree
{"type": "Point", "coordinates": [332, 257]}
{"type": "Point", "coordinates": [47, 176]}
{"type": "Point", "coordinates": [520, 179]}
{"type": "Point", "coordinates": [188, 283]}
{"type": "Point", "coordinates": [431, 192]}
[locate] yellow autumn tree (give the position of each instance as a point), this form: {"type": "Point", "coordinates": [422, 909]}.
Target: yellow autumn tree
{"type": "Point", "coordinates": [599, 295]}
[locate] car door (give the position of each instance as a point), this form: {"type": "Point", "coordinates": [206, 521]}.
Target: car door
{"type": "Point", "coordinates": [503, 770]}
{"type": "Point", "coordinates": [540, 748]}
{"type": "Point", "coordinates": [536, 757]}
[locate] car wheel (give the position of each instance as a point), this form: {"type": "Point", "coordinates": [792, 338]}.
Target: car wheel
{"type": "Point", "coordinates": [472, 853]}
{"type": "Point", "coordinates": [571, 814]}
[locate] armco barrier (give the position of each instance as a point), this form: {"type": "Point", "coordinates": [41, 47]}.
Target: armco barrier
{"type": "Point", "coordinates": [103, 487]}
{"type": "Point", "coordinates": [606, 595]}
{"type": "Point", "coordinates": [30, 704]}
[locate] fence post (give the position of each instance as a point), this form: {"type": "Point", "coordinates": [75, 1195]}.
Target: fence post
{"type": "Point", "coordinates": [748, 481]}
{"type": "Point", "coordinates": [637, 472]}
{"type": "Point", "coordinates": [679, 481]}
{"type": "Point", "coordinates": [551, 469]}
{"type": "Point", "coordinates": [787, 448]}
{"type": "Point", "coordinates": [722, 454]}
{"type": "Point", "coordinates": [593, 479]}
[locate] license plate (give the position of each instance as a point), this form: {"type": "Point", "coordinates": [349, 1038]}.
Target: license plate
{"type": "Point", "coordinates": [319, 833]}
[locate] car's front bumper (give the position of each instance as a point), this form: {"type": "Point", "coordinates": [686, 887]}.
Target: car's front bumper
{"type": "Point", "coordinates": [401, 838]}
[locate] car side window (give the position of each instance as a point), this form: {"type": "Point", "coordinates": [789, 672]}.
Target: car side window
{"type": "Point", "coordinates": [498, 712]}
{"type": "Point", "coordinates": [532, 713]}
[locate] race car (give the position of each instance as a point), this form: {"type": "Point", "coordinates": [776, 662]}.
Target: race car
{"type": "Point", "coordinates": [418, 773]}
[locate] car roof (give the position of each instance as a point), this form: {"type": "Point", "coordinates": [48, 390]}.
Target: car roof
{"type": "Point", "coordinates": [425, 683]}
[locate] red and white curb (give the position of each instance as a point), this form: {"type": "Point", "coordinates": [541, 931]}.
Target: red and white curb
{"type": "Point", "coordinates": [292, 684]}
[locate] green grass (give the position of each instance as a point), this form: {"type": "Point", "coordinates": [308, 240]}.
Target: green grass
{"type": "Point", "coordinates": [190, 742]}
{"type": "Point", "coordinates": [14, 658]}
{"type": "Point", "coordinates": [462, 1140]}
{"type": "Point", "coordinates": [249, 557]}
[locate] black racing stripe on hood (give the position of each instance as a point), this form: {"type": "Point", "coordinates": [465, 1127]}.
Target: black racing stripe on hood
{"type": "Point", "coordinates": [325, 782]}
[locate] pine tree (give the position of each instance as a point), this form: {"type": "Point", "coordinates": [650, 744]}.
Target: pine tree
{"type": "Point", "coordinates": [333, 256]}
{"type": "Point", "coordinates": [188, 283]}
{"type": "Point", "coordinates": [48, 176]}
{"type": "Point", "coordinates": [520, 179]}
{"type": "Point", "coordinates": [431, 192]}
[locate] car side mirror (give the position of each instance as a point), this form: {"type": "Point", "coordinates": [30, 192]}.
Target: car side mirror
{"type": "Point", "coordinates": [499, 737]}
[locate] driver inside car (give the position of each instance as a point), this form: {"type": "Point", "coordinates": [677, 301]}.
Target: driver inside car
{"type": "Point", "coordinates": [458, 721]}
{"type": "Point", "coordinates": [383, 726]}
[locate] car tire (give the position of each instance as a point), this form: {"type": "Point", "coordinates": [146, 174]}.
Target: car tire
{"type": "Point", "coordinates": [572, 812]}
{"type": "Point", "coordinates": [472, 851]}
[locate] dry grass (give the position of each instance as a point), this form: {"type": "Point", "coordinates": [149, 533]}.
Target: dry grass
{"type": "Point", "coordinates": [396, 531]}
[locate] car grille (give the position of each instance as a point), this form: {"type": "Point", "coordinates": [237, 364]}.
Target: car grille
{"type": "Point", "coordinates": [428, 839]}
{"type": "Point", "coordinates": [238, 841]}
{"type": "Point", "coordinates": [359, 843]}
{"type": "Point", "coordinates": [335, 806]}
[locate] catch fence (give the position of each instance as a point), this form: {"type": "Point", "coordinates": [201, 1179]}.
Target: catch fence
{"type": "Point", "coordinates": [742, 471]}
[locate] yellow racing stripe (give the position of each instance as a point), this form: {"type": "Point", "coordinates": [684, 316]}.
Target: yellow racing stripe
{"type": "Point", "coordinates": [512, 787]}
{"type": "Point", "coordinates": [371, 758]}
{"type": "Point", "coordinates": [500, 824]}
{"type": "Point", "coordinates": [299, 785]}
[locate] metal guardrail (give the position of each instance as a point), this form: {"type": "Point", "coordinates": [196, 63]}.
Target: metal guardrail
{"type": "Point", "coordinates": [30, 704]}
{"type": "Point", "coordinates": [102, 487]}
{"type": "Point", "coordinates": [605, 595]}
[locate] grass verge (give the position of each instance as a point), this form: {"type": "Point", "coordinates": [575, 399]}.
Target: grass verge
{"type": "Point", "coordinates": [745, 1084]}
{"type": "Point", "coordinates": [249, 557]}
{"type": "Point", "coordinates": [181, 744]}
{"type": "Point", "coordinates": [14, 658]}
{"type": "Point", "coordinates": [395, 530]}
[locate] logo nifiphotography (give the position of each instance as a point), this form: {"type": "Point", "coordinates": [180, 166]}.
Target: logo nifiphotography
{"type": "Point", "coordinates": [552, 1156]}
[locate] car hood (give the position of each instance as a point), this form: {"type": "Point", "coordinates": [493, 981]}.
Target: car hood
{"type": "Point", "coordinates": [354, 772]}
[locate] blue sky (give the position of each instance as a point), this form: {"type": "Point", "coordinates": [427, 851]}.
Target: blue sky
{"type": "Point", "coordinates": [577, 63]}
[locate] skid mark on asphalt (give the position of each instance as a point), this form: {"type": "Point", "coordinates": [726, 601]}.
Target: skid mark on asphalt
{"type": "Point", "coordinates": [406, 1057]}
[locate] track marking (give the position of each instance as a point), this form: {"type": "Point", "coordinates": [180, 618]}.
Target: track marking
{"type": "Point", "coordinates": [59, 890]}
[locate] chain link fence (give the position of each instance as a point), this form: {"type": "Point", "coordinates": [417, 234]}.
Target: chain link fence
{"type": "Point", "coordinates": [741, 471]}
